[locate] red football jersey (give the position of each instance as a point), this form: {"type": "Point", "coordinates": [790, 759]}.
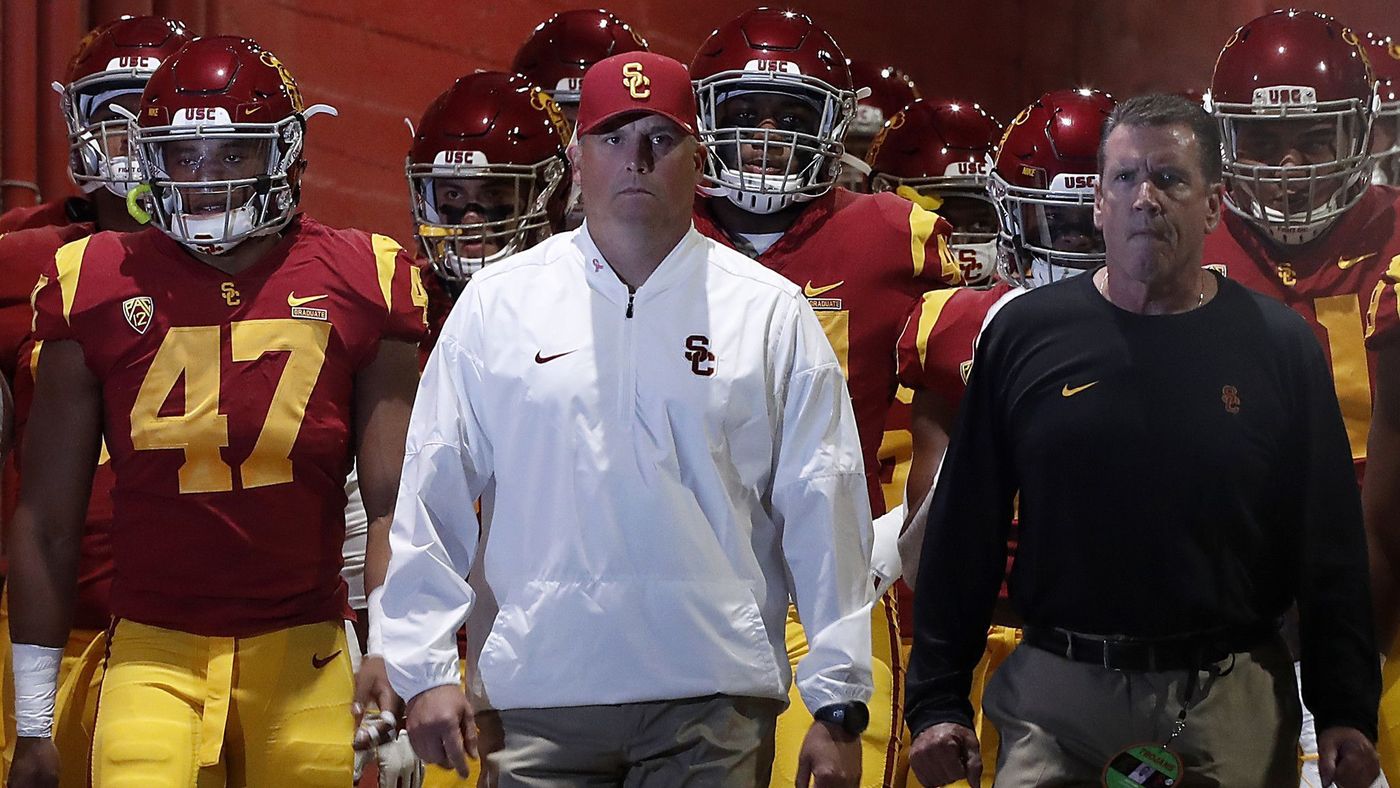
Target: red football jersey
{"type": "Point", "coordinates": [935, 354]}
{"type": "Point", "coordinates": [227, 406]}
{"type": "Point", "coordinates": [1330, 282]}
{"type": "Point", "coordinates": [23, 257]}
{"type": "Point", "coordinates": [862, 260]}
{"type": "Point", "coordinates": [935, 349]}
{"type": "Point", "coordinates": [55, 213]}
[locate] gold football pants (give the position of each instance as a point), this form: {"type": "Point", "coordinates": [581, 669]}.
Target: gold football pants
{"type": "Point", "coordinates": [881, 742]}
{"type": "Point", "coordinates": [180, 710]}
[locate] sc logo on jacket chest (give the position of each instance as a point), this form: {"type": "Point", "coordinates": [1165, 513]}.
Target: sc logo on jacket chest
{"type": "Point", "coordinates": [697, 352]}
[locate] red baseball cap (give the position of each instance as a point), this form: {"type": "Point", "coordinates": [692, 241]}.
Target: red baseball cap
{"type": "Point", "coordinates": [636, 82]}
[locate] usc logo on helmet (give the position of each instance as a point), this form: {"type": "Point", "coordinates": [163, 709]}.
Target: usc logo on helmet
{"type": "Point", "coordinates": [288, 82]}
{"type": "Point", "coordinates": [542, 101]}
{"type": "Point", "coordinates": [638, 84]}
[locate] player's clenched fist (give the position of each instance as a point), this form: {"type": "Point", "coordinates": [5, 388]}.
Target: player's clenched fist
{"type": "Point", "coordinates": [442, 727]}
{"type": "Point", "coordinates": [946, 753]}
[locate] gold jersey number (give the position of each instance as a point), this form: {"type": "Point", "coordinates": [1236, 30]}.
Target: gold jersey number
{"type": "Point", "coordinates": [192, 353]}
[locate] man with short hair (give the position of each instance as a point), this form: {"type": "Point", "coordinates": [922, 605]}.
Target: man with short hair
{"type": "Point", "coordinates": [1183, 478]}
{"type": "Point", "coordinates": [665, 453]}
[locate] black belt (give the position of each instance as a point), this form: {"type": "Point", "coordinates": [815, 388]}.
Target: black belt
{"type": "Point", "coordinates": [1141, 654]}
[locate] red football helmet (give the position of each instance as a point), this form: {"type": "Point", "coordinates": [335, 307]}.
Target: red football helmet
{"type": "Point", "coordinates": [764, 168]}
{"type": "Point", "coordinates": [561, 49]}
{"type": "Point", "coordinates": [485, 172]}
{"type": "Point", "coordinates": [112, 61]}
{"type": "Point", "coordinates": [220, 135]}
{"type": "Point", "coordinates": [1042, 180]}
{"type": "Point", "coordinates": [937, 152]}
{"type": "Point", "coordinates": [1295, 97]}
{"type": "Point", "coordinates": [1384, 53]}
{"type": "Point", "coordinates": [890, 90]}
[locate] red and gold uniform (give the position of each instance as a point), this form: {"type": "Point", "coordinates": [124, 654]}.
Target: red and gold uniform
{"type": "Point", "coordinates": [1338, 284]}
{"type": "Point", "coordinates": [24, 255]}
{"type": "Point", "coordinates": [1329, 282]}
{"type": "Point", "coordinates": [227, 409]}
{"type": "Point", "coordinates": [55, 213]}
{"type": "Point", "coordinates": [935, 356]}
{"type": "Point", "coordinates": [862, 261]}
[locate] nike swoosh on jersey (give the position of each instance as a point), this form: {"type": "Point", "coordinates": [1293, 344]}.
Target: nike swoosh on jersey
{"type": "Point", "coordinates": [292, 299]}
{"type": "Point", "coordinates": [813, 292]}
{"type": "Point", "coordinates": [1070, 392]}
{"type": "Point", "coordinates": [318, 663]}
{"type": "Point", "coordinates": [539, 359]}
{"type": "Point", "coordinates": [1347, 262]}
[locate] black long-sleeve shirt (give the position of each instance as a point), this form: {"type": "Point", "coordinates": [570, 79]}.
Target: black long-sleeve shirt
{"type": "Point", "coordinates": [1177, 474]}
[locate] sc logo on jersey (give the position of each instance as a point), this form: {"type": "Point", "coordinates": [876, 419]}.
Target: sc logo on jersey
{"type": "Point", "coordinates": [638, 84]}
{"type": "Point", "coordinates": [697, 352]}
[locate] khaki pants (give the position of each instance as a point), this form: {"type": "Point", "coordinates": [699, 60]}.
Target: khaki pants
{"type": "Point", "coordinates": [712, 741]}
{"type": "Point", "coordinates": [1061, 721]}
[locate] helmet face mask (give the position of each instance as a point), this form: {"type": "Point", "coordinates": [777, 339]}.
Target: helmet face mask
{"type": "Point", "coordinates": [99, 153]}
{"type": "Point", "coordinates": [764, 167]}
{"type": "Point", "coordinates": [1050, 233]}
{"type": "Point", "coordinates": [213, 187]}
{"type": "Point", "coordinates": [1295, 173]}
{"type": "Point", "coordinates": [469, 215]}
{"type": "Point", "coordinates": [768, 148]}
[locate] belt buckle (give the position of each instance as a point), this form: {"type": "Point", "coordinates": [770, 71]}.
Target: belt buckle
{"type": "Point", "coordinates": [1119, 646]}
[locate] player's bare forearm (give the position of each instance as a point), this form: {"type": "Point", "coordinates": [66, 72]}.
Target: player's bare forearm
{"type": "Point", "coordinates": [57, 462]}
{"type": "Point", "coordinates": [384, 393]}
{"type": "Point", "coordinates": [930, 422]}
{"type": "Point", "coordinates": [1380, 497]}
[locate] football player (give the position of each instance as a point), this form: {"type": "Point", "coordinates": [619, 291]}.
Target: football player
{"type": "Point", "coordinates": [1295, 98]}
{"type": "Point", "coordinates": [881, 91]}
{"type": "Point", "coordinates": [775, 99]}
{"type": "Point", "coordinates": [557, 54]}
{"type": "Point", "coordinates": [110, 67]}
{"type": "Point", "coordinates": [487, 175]}
{"type": "Point", "coordinates": [235, 357]}
{"type": "Point", "coordinates": [1045, 162]}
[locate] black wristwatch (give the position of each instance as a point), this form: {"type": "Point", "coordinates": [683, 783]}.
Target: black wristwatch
{"type": "Point", "coordinates": [852, 717]}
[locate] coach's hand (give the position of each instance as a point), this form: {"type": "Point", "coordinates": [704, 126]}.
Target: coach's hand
{"type": "Point", "coordinates": [1345, 756]}
{"type": "Point", "coordinates": [35, 764]}
{"type": "Point", "coordinates": [442, 728]}
{"type": "Point", "coordinates": [945, 753]}
{"type": "Point", "coordinates": [830, 758]}
{"type": "Point", "coordinates": [372, 689]}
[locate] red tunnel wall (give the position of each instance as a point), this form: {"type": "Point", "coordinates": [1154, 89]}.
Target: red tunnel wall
{"type": "Point", "coordinates": [380, 62]}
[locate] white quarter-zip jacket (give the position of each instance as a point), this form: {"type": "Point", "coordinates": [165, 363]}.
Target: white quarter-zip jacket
{"type": "Point", "coordinates": [659, 471]}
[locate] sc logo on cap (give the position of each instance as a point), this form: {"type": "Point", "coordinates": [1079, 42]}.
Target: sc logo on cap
{"type": "Point", "coordinates": [637, 83]}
